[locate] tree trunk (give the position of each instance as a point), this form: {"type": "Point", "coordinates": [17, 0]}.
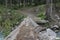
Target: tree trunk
{"type": "Point", "coordinates": [48, 8]}
{"type": "Point", "coordinates": [6, 3]}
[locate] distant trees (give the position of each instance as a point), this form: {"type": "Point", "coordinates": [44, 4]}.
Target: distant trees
{"type": "Point", "coordinates": [20, 3]}
{"type": "Point", "coordinates": [24, 3]}
{"type": "Point", "coordinates": [51, 7]}
{"type": "Point", "coordinates": [6, 3]}
{"type": "Point", "coordinates": [2, 1]}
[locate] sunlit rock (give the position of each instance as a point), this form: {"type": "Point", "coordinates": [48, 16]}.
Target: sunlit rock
{"type": "Point", "coordinates": [29, 30]}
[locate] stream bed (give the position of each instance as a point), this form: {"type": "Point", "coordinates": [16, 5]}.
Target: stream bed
{"type": "Point", "coordinates": [1, 36]}
{"type": "Point", "coordinates": [58, 36]}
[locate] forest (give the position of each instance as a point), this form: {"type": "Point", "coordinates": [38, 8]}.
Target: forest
{"type": "Point", "coordinates": [12, 13]}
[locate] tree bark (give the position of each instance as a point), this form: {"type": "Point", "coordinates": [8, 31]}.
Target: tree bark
{"type": "Point", "coordinates": [6, 3]}
{"type": "Point", "coordinates": [48, 8]}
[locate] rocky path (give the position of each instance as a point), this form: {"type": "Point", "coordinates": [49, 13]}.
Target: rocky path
{"type": "Point", "coordinates": [30, 11]}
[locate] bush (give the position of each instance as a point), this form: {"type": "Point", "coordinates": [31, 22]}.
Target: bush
{"type": "Point", "coordinates": [9, 19]}
{"type": "Point", "coordinates": [41, 15]}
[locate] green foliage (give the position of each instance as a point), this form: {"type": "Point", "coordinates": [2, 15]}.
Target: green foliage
{"type": "Point", "coordinates": [42, 8]}
{"type": "Point", "coordinates": [15, 7]}
{"type": "Point", "coordinates": [16, 18]}
{"type": "Point", "coordinates": [41, 15]}
{"type": "Point", "coordinates": [9, 19]}
{"type": "Point", "coordinates": [7, 27]}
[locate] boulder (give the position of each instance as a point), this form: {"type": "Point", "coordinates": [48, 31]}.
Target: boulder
{"type": "Point", "coordinates": [29, 30]}
{"type": "Point", "coordinates": [47, 35]}
{"type": "Point", "coordinates": [25, 31]}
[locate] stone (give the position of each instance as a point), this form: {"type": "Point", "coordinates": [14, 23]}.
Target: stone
{"type": "Point", "coordinates": [29, 30]}
{"type": "Point", "coordinates": [56, 26]}
{"type": "Point", "coordinates": [47, 35]}
{"type": "Point", "coordinates": [25, 31]}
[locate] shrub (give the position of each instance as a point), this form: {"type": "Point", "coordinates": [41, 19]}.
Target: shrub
{"type": "Point", "coordinates": [10, 19]}
{"type": "Point", "coordinates": [41, 15]}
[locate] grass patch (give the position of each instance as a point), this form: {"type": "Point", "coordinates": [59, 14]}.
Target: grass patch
{"type": "Point", "coordinates": [9, 19]}
{"type": "Point", "coordinates": [41, 14]}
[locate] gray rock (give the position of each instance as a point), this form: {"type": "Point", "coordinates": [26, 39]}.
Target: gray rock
{"type": "Point", "coordinates": [25, 29]}
{"type": "Point", "coordinates": [29, 30]}
{"type": "Point", "coordinates": [47, 35]}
